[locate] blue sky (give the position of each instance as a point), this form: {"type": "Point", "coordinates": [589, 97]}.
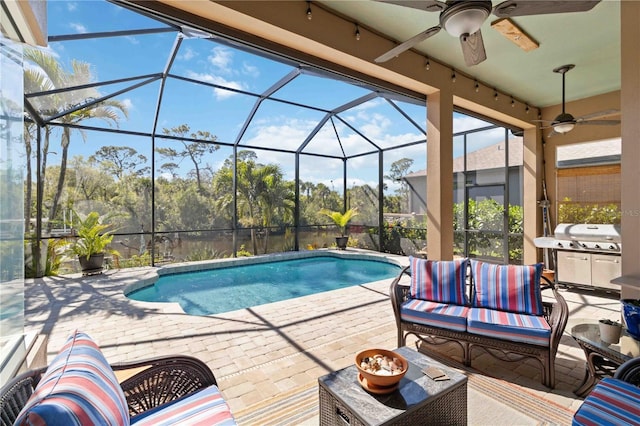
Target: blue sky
{"type": "Point", "coordinates": [223, 112]}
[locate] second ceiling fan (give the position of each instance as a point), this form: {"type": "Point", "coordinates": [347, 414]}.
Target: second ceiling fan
{"type": "Point", "coordinates": [565, 122]}
{"type": "Point", "coordinates": [463, 19]}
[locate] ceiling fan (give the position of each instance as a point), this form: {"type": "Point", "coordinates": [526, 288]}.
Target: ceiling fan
{"type": "Point", "coordinates": [463, 19]}
{"type": "Point", "coordinates": [565, 122]}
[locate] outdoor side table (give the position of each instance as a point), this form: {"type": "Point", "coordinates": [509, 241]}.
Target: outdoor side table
{"type": "Point", "coordinates": [603, 359]}
{"type": "Point", "coordinates": [418, 399]}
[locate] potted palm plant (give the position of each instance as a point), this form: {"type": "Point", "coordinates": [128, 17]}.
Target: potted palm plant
{"type": "Point", "coordinates": [91, 244]}
{"type": "Point", "coordinates": [341, 220]}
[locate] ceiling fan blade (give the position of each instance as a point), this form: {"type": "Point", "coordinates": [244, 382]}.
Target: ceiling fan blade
{"type": "Point", "coordinates": [428, 5]}
{"type": "Point", "coordinates": [407, 44]}
{"type": "Point", "coordinates": [553, 132]}
{"type": "Point", "coordinates": [473, 48]}
{"type": "Point", "coordinates": [600, 122]}
{"type": "Point", "coordinates": [598, 114]}
{"type": "Point", "coordinates": [512, 8]}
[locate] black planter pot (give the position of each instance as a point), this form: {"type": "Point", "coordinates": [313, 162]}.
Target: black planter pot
{"type": "Point", "coordinates": [341, 242]}
{"type": "Point", "coordinates": [92, 265]}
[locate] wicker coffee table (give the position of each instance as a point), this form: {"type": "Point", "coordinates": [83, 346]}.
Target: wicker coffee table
{"type": "Point", "coordinates": [418, 400]}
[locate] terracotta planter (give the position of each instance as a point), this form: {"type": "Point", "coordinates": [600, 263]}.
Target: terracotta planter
{"type": "Point", "coordinates": [92, 265]}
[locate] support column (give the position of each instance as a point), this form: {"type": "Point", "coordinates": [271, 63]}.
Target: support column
{"type": "Point", "coordinates": [440, 176]}
{"type": "Point", "coordinates": [630, 103]}
{"type": "Point", "coordinates": [532, 193]}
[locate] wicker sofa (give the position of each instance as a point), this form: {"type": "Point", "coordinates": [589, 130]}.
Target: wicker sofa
{"type": "Point", "coordinates": [613, 401]}
{"type": "Point", "coordinates": [496, 308]}
{"type": "Point", "coordinates": [79, 387]}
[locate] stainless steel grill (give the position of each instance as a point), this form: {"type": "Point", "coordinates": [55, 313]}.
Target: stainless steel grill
{"type": "Point", "coordinates": [586, 254]}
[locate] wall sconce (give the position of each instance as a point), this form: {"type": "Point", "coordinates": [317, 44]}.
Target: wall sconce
{"type": "Point", "coordinates": [453, 76]}
{"type": "Point", "coordinates": [477, 87]}
{"type": "Point", "coordinates": [527, 109]}
{"type": "Point", "coordinates": [309, 14]}
{"type": "Point", "coordinates": [513, 103]}
{"type": "Point", "coordinates": [427, 65]}
{"type": "Point", "coordinates": [495, 94]}
{"type": "Point", "coordinates": [357, 32]}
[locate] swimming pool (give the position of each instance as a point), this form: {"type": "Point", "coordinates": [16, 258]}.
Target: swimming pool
{"type": "Point", "coordinates": [226, 289]}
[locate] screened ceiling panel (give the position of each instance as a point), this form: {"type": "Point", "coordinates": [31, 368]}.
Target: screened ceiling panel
{"type": "Point", "coordinates": [221, 112]}
{"type": "Point", "coordinates": [416, 112]}
{"type": "Point", "coordinates": [53, 105]}
{"type": "Point", "coordinates": [381, 123]}
{"type": "Point", "coordinates": [215, 63]}
{"type": "Point", "coordinates": [280, 125]}
{"type": "Point", "coordinates": [78, 15]}
{"type": "Point", "coordinates": [324, 93]}
{"type": "Point", "coordinates": [337, 139]}
{"type": "Point", "coordinates": [104, 55]}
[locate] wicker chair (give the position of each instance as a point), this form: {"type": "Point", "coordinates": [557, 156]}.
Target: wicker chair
{"type": "Point", "coordinates": [146, 384]}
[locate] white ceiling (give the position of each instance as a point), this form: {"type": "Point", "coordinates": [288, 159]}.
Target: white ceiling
{"type": "Point", "coordinates": [590, 40]}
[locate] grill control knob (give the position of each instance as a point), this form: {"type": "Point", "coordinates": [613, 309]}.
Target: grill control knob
{"type": "Point", "coordinates": [612, 247]}
{"type": "Point", "coordinates": [559, 244]}
{"type": "Point", "coordinates": [585, 245]}
{"type": "Point", "coordinates": [571, 245]}
{"type": "Point", "coordinates": [597, 246]}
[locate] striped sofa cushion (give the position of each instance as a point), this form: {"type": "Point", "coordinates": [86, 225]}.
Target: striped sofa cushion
{"type": "Point", "coordinates": [438, 281]}
{"type": "Point", "coordinates": [509, 326]}
{"type": "Point", "coordinates": [442, 315]}
{"type": "Point", "coordinates": [512, 288]}
{"type": "Point", "coordinates": [611, 402]}
{"type": "Point", "coordinates": [205, 408]}
{"type": "Point", "coordinates": [78, 388]}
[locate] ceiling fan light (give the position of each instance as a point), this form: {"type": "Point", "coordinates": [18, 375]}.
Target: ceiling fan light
{"type": "Point", "coordinates": [563, 127]}
{"type": "Point", "coordinates": [467, 21]}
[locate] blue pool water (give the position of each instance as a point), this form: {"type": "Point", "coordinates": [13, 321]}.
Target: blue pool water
{"type": "Point", "coordinates": [226, 289]}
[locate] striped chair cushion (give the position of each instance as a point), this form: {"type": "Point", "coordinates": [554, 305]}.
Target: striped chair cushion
{"type": "Point", "coordinates": [513, 288]}
{"type": "Point", "coordinates": [205, 408]}
{"type": "Point", "coordinates": [611, 402]}
{"type": "Point", "coordinates": [442, 315]}
{"type": "Point", "coordinates": [438, 281]}
{"type": "Point", "coordinates": [509, 326]}
{"type": "Point", "coordinates": [78, 388]}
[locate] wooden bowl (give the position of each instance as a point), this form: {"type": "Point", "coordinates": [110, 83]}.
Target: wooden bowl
{"type": "Point", "coordinates": [377, 379]}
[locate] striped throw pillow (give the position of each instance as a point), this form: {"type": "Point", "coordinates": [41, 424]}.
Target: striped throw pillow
{"type": "Point", "coordinates": [511, 288]}
{"type": "Point", "coordinates": [438, 281]}
{"type": "Point", "coordinates": [78, 388]}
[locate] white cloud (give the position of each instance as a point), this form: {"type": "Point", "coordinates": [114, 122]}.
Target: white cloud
{"type": "Point", "coordinates": [79, 28]}
{"type": "Point", "coordinates": [72, 6]}
{"type": "Point", "coordinates": [187, 54]}
{"type": "Point", "coordinates": [221, 58]}
{"type": "Point", "coordinates": [250, 70]}
{"type": "Point", "coordinates": [132, 40]}
{"type": "Point", "coordinates": [220, 94]}
{"type": "Point", "coordinates": [128, 104]}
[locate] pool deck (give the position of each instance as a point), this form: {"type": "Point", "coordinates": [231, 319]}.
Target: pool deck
{"type": "Point", "coordinates": [268, 350]}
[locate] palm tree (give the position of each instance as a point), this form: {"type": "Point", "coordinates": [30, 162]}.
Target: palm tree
{"type": "Point", "coordinates": [49, 75]}
{"type": "Point", "coordinates": [276, 198]}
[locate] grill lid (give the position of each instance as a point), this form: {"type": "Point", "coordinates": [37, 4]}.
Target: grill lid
{"type": "Point", "coordinates": [588, 232]}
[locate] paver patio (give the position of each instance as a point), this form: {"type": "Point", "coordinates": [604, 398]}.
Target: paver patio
{"type": "Point", "coordinates": [260, 352]}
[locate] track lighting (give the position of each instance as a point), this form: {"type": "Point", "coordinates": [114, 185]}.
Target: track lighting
{"type": "Point", "coordinates": [427, 65]}
{"type": "Point", "coordinates": [453, 76]}
{"type": "Point", "coordinates": [477, 87]}
{"type": "Point", "coordinates": [309, 14]}
{"type": "Point", "coordinates": [513, 103]}
{"type": "Point", "coordinates": [495, 94]}
{"type": "Point", "coordinates": [357, 32]}
{"type": "Point", "coordinates": [527, 109]}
